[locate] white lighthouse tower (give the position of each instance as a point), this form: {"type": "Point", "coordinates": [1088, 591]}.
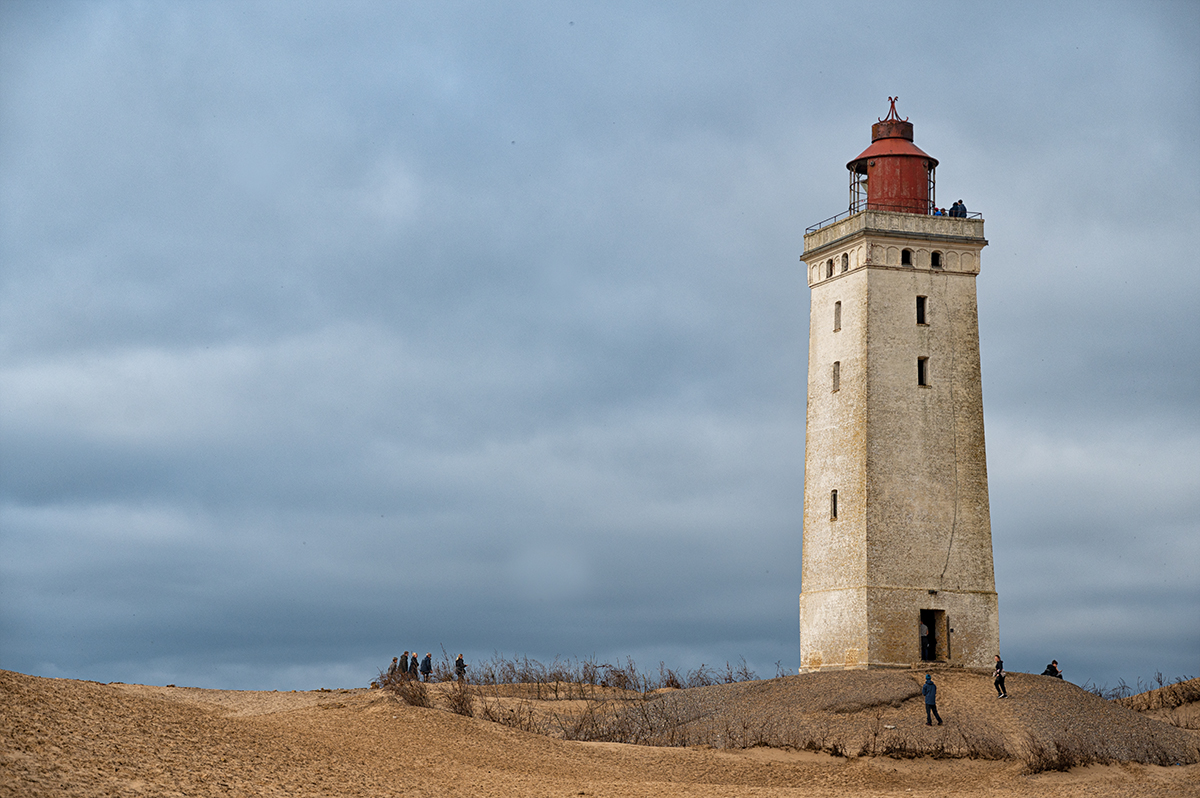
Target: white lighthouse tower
{"type": "Point", "coordinates": [897, 533]}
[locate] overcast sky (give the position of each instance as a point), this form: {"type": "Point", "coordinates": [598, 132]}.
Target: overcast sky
{"type": "Point", "coordinates": [330, 330]}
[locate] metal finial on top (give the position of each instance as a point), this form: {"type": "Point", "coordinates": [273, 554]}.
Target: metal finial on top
{"type": "Point", "coordinates": [892, 115]}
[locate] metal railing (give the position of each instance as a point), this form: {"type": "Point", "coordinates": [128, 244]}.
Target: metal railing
{"type": "Point", "coordinates": [876, 207]}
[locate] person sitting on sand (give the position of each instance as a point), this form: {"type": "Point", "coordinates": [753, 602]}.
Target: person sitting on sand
{"type": "Point", "coordinates": [427, 665]}
{"type": "Point", "coordinates": [998, 678]}
{"type": "Point", "coordinates": [1052, 669]}
{"type": "Point", "coordinates": [929, 690]}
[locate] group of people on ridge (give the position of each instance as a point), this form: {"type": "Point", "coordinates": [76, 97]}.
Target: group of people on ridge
{"type": "Point", "coordinates": [929, 689]}
{"type": "Point", "coordinates": [406, 667]}
{"type": "Point", "coordinates": [998, 675]}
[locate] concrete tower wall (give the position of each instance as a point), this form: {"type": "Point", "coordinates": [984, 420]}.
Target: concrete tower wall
{"type": "Point", "coordinates": [912, 530]}
{"type": "Point", "coordinates": [833, 607]}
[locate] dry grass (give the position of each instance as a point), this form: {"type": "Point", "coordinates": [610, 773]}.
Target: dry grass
{"type": "Point", "coordinates": [409, 690]}
{"type": "Point", "coordinates": [68, 738]}
{"type": "Point", "coordinates": [1048, 724]}
{"type": "Point", "coordinates": [1177, 703]}
{"type": "Point", "coordinates": [1165, 696]}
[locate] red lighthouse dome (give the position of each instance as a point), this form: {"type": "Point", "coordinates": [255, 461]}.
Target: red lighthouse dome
{"type": "Point", "coordinates": [893, 174]}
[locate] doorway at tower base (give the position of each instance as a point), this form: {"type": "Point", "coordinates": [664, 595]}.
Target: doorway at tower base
{"type": "Point", "coordinates": [879, 627]}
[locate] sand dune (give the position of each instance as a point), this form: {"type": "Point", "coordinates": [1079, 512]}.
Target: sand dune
{"type": "Point", "coordinates": [71, 738]}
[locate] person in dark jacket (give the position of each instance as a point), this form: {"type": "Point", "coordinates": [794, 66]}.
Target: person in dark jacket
{"type": "Point", "coordinates": [412, 666]}
{"type": "Point", "coordinates": [460, 668]}
{"type": "Point", "coordinates": [929, 690]}
{"type": "Point", "coordinates": [998, 678]}
{"type": "Point", "coordinates": [427, 665]}
{"type": "Point", "coordinates": [1052, 670]}
{"type": "Point", "coordinates": [404, 665]}
{"type": "Point", "coordinates": [958, 210]}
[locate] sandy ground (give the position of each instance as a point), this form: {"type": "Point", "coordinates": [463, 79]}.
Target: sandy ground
{"type": "Point", "coordinates": [71, 738]}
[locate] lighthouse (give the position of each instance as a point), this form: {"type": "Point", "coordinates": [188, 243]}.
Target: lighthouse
{"type": "Point", "coordinates": [897, 550]}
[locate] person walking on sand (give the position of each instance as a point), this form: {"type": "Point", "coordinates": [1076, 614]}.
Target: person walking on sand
{"type": "Point", "coordinates": [1052, 670]}
{"type": "Point", "coordinates": [998, 678]}
{"type": "Point", "coordinates": [427, 665]}
{"type": "Point", "coordinates": [404, 666]}
{"type": "Point", "coordinates": [412, 666]}
{"type": "Point", "coordinates": [929, 690]}
{"type": "Point", "coordinates": [460, 668]}
{"type": "Point", "coordinates": [393, 669]}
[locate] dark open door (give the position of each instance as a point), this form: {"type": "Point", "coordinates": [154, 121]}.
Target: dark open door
{"type": "Point", "coordinates": [935, 646]}
{"type": "Point", "coordinates": [928, 630]}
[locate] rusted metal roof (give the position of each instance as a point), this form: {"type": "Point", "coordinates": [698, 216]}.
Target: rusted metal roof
{"type": "Point", "coordinates": [891, 137]}
{"type": "Point", "coordinates": [888, 148]}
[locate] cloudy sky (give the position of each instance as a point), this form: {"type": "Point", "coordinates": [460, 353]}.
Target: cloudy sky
{"type": "Point", "coordinates": [329, 330]}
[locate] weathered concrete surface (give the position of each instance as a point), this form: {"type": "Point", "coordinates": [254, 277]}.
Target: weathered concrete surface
{"type": "Point", "coordinates": [908, 462]}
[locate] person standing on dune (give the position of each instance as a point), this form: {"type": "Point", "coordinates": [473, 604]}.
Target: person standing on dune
{"type": "Point", "coordinates": [929, 690]}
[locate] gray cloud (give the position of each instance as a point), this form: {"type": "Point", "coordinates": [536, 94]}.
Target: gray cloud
{"type": "Point", "coordinates": [327, 331]}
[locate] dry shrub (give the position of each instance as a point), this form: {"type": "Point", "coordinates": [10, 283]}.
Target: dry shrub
{"type": "Point", "coordinates": [982, 747]}
{"type": "Point", "coordinates": [460, 700]}
{"type": "Point", "coordinates": [1041, 758]}
{"type": "Point", "coordinates": [410, 691]}
{"type": "Point", "coordinates": [519, 716]}
{"type": "Point", "coordinates": [587, 725]}
{"type": "Point", "coordinates": [668, 677]}
{"type": "Point", "coordinates": [701, 677]}
{"type": "Point", "coordinates": [1181, 718]}
{"type": "Point", "coordinates": [950, 744]}
{"type": "Point", "coordinates": [573, 679]}
{"type": "Point", "coordinates": [1174, 702]}
{"type": "Point", "coordinates": [1062, 756]}
{"type": "Point", "coordinates": [1166, 696]}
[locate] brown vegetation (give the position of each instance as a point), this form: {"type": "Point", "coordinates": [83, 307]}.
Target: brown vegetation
{"type": "Point", "coordinates": [1177, 704]}
{"type": "Point", "coordinates": [762, 738]}
{"type": "Point", "coordinates": [1046, 723]}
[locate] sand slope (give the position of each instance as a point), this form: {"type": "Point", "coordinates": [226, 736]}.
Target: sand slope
{"type": "Point", "coordinates": [850, 711]}
{"type": "Point", "coordinates": [69, 738]}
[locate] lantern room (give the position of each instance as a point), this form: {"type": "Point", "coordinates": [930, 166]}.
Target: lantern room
{"type": "Point", "coordinates": [893, 174]}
